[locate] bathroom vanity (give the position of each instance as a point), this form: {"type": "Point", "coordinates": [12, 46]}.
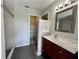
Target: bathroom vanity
{"type": "Point", "coordinates": [58, 48]}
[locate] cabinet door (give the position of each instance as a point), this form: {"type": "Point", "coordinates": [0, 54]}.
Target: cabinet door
{"type": "Point", "coordinates": [53, 49]}
{"type": "Point", "coordinates": [45, 46]}
{"type": "Point", "coordinates": [66, 54]}
{"type": "Point", "coordinates": [58, 52]}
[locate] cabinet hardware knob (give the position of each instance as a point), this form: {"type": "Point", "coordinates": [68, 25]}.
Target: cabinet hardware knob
{"type": "Point", "coordinates": [60, 51]}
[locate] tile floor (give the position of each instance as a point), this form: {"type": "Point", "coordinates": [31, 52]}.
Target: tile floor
{"type": "Point", "coordinates": [26, 52]}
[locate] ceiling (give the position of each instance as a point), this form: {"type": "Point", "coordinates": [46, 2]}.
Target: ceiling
{"type": "Point", "coordinates": [33, 4]}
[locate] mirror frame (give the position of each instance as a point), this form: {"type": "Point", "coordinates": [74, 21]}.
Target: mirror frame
{"type": "Point", "coordinates": [74, 8]}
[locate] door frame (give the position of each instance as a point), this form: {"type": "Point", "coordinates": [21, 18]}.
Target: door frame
{"type": "Point", "coordinates": [29, 23]}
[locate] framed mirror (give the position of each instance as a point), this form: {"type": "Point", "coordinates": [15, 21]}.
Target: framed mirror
{"type": "Point", "coordinates": [65, 20]}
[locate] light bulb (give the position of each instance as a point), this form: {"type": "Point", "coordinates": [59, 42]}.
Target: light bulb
{"type": "Point", "coordinates": [56, 8]}
{"type": "Point", "coordinates": [60, 6]}
{"type": "Point", "coordinates": [66, 2]}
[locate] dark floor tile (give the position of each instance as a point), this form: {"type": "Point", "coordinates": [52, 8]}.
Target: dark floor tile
{"type": "Point", "coordinates": [26, 52]}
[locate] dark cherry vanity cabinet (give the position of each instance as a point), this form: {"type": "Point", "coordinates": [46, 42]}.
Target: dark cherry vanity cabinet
{"type": "Point", "coordinates": [56, 52]}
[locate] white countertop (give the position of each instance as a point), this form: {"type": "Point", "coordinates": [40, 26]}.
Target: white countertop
{"type": "Point", "coordinates": [68, 44]}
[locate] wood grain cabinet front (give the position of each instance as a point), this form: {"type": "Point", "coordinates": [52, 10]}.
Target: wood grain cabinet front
{"type": "Point", "coordinates": [54, 51]}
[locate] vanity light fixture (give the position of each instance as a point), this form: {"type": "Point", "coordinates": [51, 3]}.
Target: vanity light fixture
{"type": "Point", "coordinates": [62, 5]}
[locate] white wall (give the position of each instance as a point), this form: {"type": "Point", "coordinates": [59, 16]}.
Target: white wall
{"type": "Point", "coordinates": [17, 28]}
{"type": "Point", "coordinates": [22, 25]}
{"type": "Point", "coordinates": [51, 11]}
{"type": "Point", "coordinates": [9, 30]}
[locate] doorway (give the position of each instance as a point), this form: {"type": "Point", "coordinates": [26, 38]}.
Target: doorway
{"type": "Point", "coordinates": [34, 20]}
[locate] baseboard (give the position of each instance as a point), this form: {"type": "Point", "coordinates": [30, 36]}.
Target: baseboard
{"type": "Point", "coordinates": [10, 54]}
{"type": "Point", "coordinates": [38, 53]}
{"type": "Point", "coordinates": [22, 45]}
